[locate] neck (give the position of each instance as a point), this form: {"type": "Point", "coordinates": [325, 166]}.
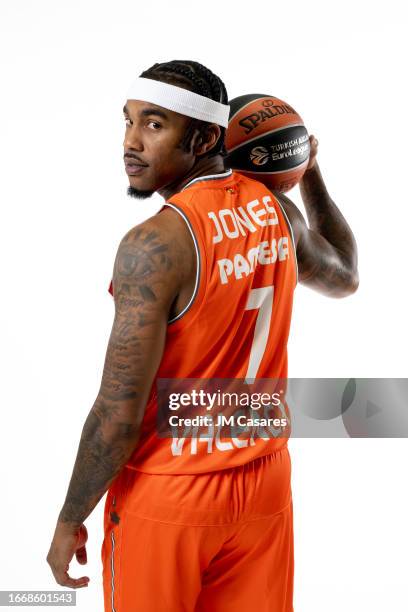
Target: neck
{"type": "Point", "coordinates": [212, 165]}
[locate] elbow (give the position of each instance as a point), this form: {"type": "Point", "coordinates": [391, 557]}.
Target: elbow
{"type": "Point", "coordinates": [350, 287]}
{"type": "Point", "coordinates": [354, 283]}
{"type": "Point", "coordinates": [112, 425]}
{"type": "Point", "coordinates": [354, 280]}
{"type": "Point", "coordinates": [344, 286]}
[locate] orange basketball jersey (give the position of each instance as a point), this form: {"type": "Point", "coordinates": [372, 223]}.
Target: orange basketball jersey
{"type": "Point", "coordinates": [236, 324]}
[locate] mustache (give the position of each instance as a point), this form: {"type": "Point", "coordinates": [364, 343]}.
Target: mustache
{"type": "Point", "coordinates": [129, 156]}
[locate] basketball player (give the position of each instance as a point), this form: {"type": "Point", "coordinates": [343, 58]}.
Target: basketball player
{"type": "Point", "coordinates": [197, 524]}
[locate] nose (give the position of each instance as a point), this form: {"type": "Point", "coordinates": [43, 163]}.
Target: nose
{"type": "Point", "coordinates": [133, 138]}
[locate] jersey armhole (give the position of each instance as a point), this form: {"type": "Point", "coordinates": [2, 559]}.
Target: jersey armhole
{"type": "Point", "coordinates": [190, 310]}
{"type": "Point", "coordinates": [291, 234]}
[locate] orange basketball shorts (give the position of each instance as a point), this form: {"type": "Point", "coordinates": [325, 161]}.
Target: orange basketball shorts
{"type": "Point", "coordinates": [215, 542]}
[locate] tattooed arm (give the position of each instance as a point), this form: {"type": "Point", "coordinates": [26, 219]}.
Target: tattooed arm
{"type": "Point", "coordinates": [154, 262]}
{"type": "Point", "coordinates": [326, 251]}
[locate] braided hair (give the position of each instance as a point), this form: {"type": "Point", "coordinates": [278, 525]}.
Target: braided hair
{"type": "Point", "coordinates": [199, 79]}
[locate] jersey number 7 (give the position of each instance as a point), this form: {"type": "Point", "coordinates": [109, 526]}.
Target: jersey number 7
{"type": "Point", "coordinates": [262, 299]}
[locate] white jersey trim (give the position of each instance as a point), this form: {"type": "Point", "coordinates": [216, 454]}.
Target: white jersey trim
{"type": "Point", "coordinates": [208, 177]}
{"type": "Point", "coordinates": [292, 235]}
{"type": "Point", "coordinates": [198, 271]}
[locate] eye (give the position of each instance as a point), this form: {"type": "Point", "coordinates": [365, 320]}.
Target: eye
{"type": "Point", "coordinates": [158, 125]}
{"type": "Point", "coordinates": [128, 121]}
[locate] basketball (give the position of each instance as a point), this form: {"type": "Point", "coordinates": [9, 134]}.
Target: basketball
{"type": "Point", "coordinates": [266, 140]}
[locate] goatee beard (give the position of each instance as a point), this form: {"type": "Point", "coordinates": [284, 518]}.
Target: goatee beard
{"type": "Point", "coordinates": [141, 194]}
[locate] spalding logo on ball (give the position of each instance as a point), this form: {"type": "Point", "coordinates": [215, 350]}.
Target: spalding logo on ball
{"type": "Point", "coordinates": [266, 140]}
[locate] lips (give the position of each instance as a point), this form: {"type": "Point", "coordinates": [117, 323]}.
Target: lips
{"type": "Point", "coordinates": [133, 166]}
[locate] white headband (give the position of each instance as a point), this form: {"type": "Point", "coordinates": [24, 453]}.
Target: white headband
{"type": "Point", "coordinates": [179, 100]}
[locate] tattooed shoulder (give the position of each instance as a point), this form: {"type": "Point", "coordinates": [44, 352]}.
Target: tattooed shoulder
{"type": "Point", "coordinates": [152, 262]}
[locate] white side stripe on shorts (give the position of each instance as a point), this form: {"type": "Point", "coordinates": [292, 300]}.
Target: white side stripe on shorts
{"type": "Point", "coordinates": [113, 570]}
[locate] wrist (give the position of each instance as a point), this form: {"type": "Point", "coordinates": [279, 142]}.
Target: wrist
{"type": "Point", "coordinates": [312, 168]}
{"type": "Point", "coordinates": [311, 176]}
{"type": "Point", "coordinates": [67, 526]}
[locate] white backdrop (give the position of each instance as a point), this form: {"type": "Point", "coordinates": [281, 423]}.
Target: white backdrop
{"type": "Point", "coordinates": [65, 69]}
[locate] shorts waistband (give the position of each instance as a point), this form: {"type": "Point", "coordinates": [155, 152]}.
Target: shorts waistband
{"type": "Point", "coordinates": [252, 491]}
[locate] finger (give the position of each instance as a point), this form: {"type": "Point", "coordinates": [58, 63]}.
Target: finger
{"type": "Point", "coordinates": [64, 579]}
{"type": "Point", "coordinates": [81, 555]}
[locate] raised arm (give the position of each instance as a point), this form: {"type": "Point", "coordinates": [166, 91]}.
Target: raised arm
{"type": "Point", "coordinates": [148, 272]}
{"type": "Point", "coordinates": [326, 250]}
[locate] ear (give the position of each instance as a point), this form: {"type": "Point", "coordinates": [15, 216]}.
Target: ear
{"type": "Point", "coordinates": [207, 139]}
